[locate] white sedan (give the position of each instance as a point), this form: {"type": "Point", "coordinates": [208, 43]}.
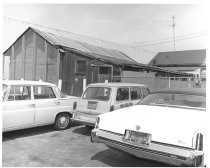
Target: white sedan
{"type": "Point", "coordinates": [32, 103]}
{"type": "Point", "coordinates": [168, 126]}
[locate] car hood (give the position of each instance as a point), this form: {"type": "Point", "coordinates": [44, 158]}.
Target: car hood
{"type": "Point", "coordinates": [166, 124]}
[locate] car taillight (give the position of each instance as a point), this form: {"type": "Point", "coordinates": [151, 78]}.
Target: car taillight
{"type": "Point", "coordinates": [199, 142]}
{"type": "Point", "coordinates": [97, 122]}
{"type": "Point", "coordinates": [74, 105]}
{"type": "Point", "coordinates": [112, 108]}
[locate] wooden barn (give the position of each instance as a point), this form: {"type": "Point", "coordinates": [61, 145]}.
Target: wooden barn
{"type": "Point", "coordinates": [39, 55]}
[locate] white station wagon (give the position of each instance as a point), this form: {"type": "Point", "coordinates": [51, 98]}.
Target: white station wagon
{"type": "Point", "coordinates": [32, 103]}
{"type": "Point", "coordinates": [168, 126]}
{"type": "Point", "coordinates": [100, 98]}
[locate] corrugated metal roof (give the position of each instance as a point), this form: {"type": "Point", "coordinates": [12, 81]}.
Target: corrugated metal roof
{"type": "Point", "coordinates": [81, 46]}
{"type": "Point", "coordinates": [187, 57]}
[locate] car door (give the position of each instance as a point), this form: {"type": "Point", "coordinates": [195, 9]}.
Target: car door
{"type": "Point", "coordinates": [47, 104]}
{"type": "Point", "coordinates": [18, 108]}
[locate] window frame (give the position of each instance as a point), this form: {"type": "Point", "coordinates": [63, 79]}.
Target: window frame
{"type": "Point", "coordinates": [46, 86]}
{"type": "Point", "coordinates": [9, 91]}
{"type": "Point", "coordinates": [128, 94]}
{"type": "Point", "coordinates": [76, 67]}
{"type": "Point", "coordinates": [140, 88]}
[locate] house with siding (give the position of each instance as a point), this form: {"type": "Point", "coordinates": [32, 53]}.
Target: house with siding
{"type": "Point", "coordinates": [40, 55]}
{"type": "Point", "coordinates": [188, 61]}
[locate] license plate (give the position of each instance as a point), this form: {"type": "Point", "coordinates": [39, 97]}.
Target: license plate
{"type": "Point", "coordinates": [92, 105]}
{"type": "Point", "coordinates": [137, 138]}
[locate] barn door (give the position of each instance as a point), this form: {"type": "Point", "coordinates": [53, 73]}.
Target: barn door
{"type": "Point", "coordinates": [94, 74]}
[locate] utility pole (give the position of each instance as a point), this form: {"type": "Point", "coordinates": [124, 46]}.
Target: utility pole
{"type": "Point", "coordinates": [173, 25]}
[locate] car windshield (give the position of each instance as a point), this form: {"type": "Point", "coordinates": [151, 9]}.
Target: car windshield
{"type": "Point", "coordinates": [97, 93]}
{"type": "Point", "coordinates": [169, 99]}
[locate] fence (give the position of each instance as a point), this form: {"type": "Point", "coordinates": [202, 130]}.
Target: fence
{"type": "Point", "coordinates": [165, 82]}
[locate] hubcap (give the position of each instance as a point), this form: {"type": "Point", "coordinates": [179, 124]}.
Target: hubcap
{"type": "Point", "coordinates": [63, 121]}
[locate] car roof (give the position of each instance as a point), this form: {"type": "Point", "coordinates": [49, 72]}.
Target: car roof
{"type": "Point", "coordinates": [116, 84]}
{"type": "Point", "coordinates": [191, 91]}
{"type": "Point", "coordinates": [26, 82]}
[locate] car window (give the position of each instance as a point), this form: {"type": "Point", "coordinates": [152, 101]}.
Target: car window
{"type": "Point", "coordinates": [4, 87]}
{"type": "Point", "coordinates": [122, 94]}
{"type": "Point", "coordinates": [4, 91]}
{"type": "Point", "coordinates": [43, 92]}
{"type": "Point", "coordinates": [175, 100]}
{"type": "Point", "coordinates": [19, 93]}
{"type": "Point", "coordinates": [61, 95]}
{"type": "Point", "coordinates": [97, 93]}
{"type": "Point", "coordinates": [135, 93]}
{"type": "Point", "coordinates": [145, 92]}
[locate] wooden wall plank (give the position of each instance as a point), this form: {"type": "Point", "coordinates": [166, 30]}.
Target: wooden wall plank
{"type": "Point", "coordinates": [23, 57]}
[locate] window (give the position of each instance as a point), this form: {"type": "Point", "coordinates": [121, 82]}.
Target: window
{"type": "Point", "coordinates": [19, 93]}
{"type": "Point", "coordinates": [122, 94]}
{"type": "Point", "coordinates": [136, 93]}
{"type": "Point", "coordinates": [103, 70]}
{"type": "Point", "coordinates": [97, 93]}
{"type": "Point", "coordinates": [43, 92]}
{"type": "Point", "coordinates": [145, 92]}
{"type": "Point", "coordinates": [81, 67]}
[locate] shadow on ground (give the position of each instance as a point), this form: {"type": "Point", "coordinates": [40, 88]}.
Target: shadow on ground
{"type": "Point", "coordinates": [116, 158]}
{"type": "Point", "coordinates": [6, 136]}
{"type": "Point", "coordinates": [83, 130]}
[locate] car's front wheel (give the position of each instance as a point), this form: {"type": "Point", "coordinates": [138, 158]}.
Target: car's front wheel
{"type": "Point", "coordinates": [62, 121]}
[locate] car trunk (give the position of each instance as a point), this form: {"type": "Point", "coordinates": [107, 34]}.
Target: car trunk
{"type": "Point", "coordinates": [167, 125]}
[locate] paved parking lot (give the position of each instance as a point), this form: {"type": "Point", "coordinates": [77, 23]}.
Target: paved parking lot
{"type": "Point", "coordinates": [45, 147]}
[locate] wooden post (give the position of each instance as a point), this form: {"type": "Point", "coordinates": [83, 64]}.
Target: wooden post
{"type": "Point", "coordinates": [60, 84]}
{"type": "Point", "coordinates": [169, 82]}
{"type": "Point", "coordinates": [84, 84]}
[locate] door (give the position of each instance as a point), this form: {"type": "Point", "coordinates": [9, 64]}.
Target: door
{"type": "Point", "coordinates": [104, 74]}
{"type": "Point", "coordinates": [47, 104]}
{"type": "Point", "coordinates": [18, 108]}
{"type": "Point", "coordinates": [94, 74]}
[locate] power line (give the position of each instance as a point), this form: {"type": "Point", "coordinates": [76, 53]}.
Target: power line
{"type": "Point", "coordinates": [166, 39]}
{"type": "Point", "coordinates": [169, 41]}
{"type": "Point", "coordinates": [56, 29]}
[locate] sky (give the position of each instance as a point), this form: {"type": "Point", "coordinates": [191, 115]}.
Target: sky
{"type": "Point", "coordinates": [146, 27]}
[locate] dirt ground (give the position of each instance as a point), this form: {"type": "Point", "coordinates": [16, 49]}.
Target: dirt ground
{"type": "Point", "coordinates": [45, 147]}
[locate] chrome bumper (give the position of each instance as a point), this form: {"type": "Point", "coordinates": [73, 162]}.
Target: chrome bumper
{"type": "Point", "coordinates": [84, 122]}
{"type": "Point", "coordinates": [157, 152]}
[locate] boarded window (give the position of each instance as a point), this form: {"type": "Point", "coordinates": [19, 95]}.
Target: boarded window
{"type": "Point", "coordinates": [81, 67]}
